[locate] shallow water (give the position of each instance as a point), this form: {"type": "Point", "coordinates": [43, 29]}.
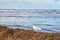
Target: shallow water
{"type": "Point", "coordinates": [48, 20]}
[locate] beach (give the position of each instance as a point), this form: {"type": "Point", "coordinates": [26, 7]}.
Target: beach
{"type": "Point", "coordinates": [7, 33]}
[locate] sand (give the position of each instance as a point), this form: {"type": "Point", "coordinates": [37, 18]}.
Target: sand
{"type": "Point", "coordinates": [21, 34]}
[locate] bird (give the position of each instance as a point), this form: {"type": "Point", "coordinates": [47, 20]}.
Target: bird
{"type": "Point", "coordinates": [36, 28]}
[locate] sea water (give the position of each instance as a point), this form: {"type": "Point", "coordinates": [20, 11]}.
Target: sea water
{"type": "Point", "coordinates": [49, 20]}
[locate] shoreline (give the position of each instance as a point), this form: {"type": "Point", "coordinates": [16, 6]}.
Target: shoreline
{"type": "Point", "coordinates": [21, 34]}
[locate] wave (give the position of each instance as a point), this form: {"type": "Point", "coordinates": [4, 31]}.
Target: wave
{"type": "Point", "coordinates": [52, 30]}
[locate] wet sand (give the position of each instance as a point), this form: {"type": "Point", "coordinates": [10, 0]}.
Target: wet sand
{"type": "Point", "coordinates": [21, 34]}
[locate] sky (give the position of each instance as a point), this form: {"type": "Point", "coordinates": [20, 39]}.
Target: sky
{"type": "Point", "coordinates": [29, 4]}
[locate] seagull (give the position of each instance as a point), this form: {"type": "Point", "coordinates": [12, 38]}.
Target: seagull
{"type": "Point", "coordinates": [36, 28]}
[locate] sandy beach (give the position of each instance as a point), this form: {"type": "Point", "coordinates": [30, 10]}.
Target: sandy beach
{"type": "Point", "coordinates": [21, 34]}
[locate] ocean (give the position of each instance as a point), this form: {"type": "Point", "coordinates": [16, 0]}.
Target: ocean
{"type": "Point", "coordinates": [47, 19]}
